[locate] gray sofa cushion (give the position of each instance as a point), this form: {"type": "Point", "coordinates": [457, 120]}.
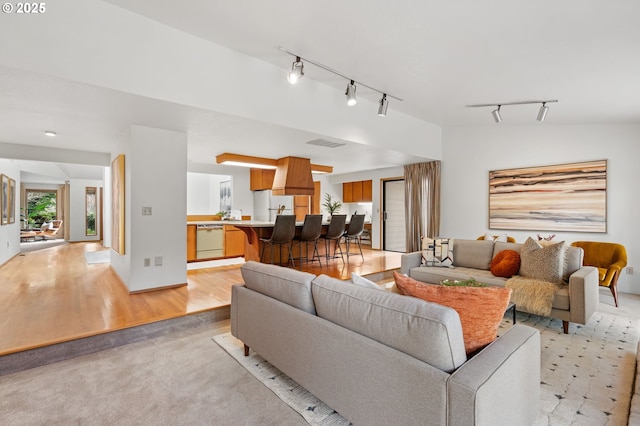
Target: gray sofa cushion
{"type": "Point", "coordinates": [427, 331]}
{"type": "Point", "coordinates": [284, 284]}
{"type": "Point", "coordinates": [473, 253]}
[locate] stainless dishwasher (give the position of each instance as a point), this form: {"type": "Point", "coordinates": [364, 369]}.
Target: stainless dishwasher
{"type": "Point", "coordinates": [209, 241]}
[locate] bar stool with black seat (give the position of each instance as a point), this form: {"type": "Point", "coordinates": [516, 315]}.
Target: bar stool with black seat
{"type": "Point", "coordinates": [284, 230]}
{"type": "Point", "coordinates": [310, 233]}
{"type": "Point", "coordinates": [354, 233]}
{"type": "Point", "coordinates": [335, 231]}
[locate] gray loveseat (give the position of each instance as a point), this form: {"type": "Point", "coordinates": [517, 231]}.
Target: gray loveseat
{"type": "Point", "coordinates": [379, 358]}
{"type": "Point", "coordinates": [574, 302]}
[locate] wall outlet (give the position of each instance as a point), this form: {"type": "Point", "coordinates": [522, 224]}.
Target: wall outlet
{"type": "Point", "coordinates": [147, 261]}
{"type": "Point", "coordinates": [158, 260]}
{"type": "Point", "coordinates": [630, 270]}
{"type": "Point", "coordinates": [146, 211]}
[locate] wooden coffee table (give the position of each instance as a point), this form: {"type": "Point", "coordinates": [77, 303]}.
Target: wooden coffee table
{"type": "Point", "coordinates": [25, 235]}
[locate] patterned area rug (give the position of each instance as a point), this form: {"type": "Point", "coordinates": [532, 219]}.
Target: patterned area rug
{"type": "Point", "coordinates": [314, 411]}
{"type": "Point", "coordinates": [587, 375]}
{"type": "Point", "coordinates": [586, 379]}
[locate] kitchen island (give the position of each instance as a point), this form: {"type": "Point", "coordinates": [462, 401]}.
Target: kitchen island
{"type": "Point", "coordinates": [254, 230]}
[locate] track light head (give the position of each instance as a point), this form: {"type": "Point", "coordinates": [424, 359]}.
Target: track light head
{"type": "Point", "coordinates": [382, 108]}
{"type": "Point", "coordinates": [542, 114]}
{"type": "Point", "coordinates": [351, 93]}
{"type": "Point", "coordinates": [496, 114]}
{"type": "Point", "coordinates": [297, 71]}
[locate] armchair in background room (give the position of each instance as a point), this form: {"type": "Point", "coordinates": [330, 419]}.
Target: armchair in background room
{"type": "Point", "coordinates": [50, 230]}
{"type": "Point", "coordinates": [609, 258]}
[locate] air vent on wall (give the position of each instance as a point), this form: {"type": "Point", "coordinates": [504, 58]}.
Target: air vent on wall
{"type": "Point", "coordinates": [326, 143]}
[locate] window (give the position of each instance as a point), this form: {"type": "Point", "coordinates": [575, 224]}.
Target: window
{"type": "Point", "coordinates": [90, 210]}
{"type": "Point", "coordinates": [41, 207]}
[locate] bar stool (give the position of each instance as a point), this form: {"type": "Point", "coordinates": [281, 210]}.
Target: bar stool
{"type": "Point", "coordinates": [310, 233]}
{"type": "Point", "coordinates": [354, 232]}
{"type": "Point", "coordinates": [335, 231]}
{"type": "Point", "coordinates": [284, 230]}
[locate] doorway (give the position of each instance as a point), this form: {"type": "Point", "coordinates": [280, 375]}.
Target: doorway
{"type": "Point", "coordinates": [393, 216]}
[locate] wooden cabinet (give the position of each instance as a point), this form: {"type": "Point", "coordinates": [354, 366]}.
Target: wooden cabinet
{"type": "Point", "coordinates": [191, 242]}
{"type": "Point", "coordinates": [356, 192]}
{"type": "Point", "coordinates": [315, 199]}
{"type": "Point", "coordinates": [260, 179]}
{"type": "Point", "coordinates": [367, 190]}
{"type": "Point", "coordinates": [301, 206]}
{"type": "Point", "coordinates": [234, 240]}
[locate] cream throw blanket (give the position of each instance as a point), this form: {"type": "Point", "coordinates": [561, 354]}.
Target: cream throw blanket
{"type": "Point", "coordinates": [532, 295]}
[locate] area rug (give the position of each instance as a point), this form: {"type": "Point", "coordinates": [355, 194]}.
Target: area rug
{"type": "Point", "coordinates": [94, 257]}
{"type": "Point", "coordinates": [314, 411]}
{"type": "Point", "coordinates": [586, 376]}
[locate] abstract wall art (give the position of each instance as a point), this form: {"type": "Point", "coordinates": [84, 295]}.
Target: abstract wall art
{"type": "Point", "coordinates": [566, 197]}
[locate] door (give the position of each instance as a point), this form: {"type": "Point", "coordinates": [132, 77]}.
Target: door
{"type": "Point", "coordinates": [393, 223]}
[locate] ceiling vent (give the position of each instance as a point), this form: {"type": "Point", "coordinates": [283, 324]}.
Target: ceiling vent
{"type": "Point", "coordinates": [326, 143]}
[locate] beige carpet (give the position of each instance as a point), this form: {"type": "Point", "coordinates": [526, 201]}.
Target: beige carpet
{"type": "Point", "coordinates": [178, 379]}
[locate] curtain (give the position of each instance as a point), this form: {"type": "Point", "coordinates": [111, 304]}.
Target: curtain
{"type": "Point", "coordinates": [422, 202]}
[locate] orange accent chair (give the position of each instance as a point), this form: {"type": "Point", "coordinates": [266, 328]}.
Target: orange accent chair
{"type": "Point", "coordinates": [609, 258]}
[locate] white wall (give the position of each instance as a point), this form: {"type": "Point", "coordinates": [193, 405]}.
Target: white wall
{"type": "Point", "coordinates": [77, 191]}
{"type": "Point", "coordinates": [10, 234]}
{"type": "Point", "coordinates": [158, 181]}
{"type": "Point", "coordinates": [469, 153]}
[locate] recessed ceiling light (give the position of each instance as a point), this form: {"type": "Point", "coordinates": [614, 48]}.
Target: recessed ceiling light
{"type": "Point", "coordinates": [50, 133]}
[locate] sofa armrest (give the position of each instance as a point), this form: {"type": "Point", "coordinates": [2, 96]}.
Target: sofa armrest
{"type": "Point", "coordinates": [410, 260]}
{"type": "Point", "coordinates": [583, 294]}
{"type": "Point", "coordinates": [501, 384]}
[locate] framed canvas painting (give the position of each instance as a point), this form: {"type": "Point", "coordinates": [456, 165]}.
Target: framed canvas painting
{"type": "Point", "coordinates": [225, 195]}
{"type": "Point", "coordinates": [12, 200]}
{"type": "Point", "coordinates": [117, 205]}
{"type": "Point", "coordinates": [4, 199]}
{"type": "Point", "coordinates": [565, 197]}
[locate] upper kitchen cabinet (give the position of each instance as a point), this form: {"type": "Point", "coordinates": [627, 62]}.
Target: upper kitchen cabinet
{"type": "Point", "coordinates": [261, 179]}
{"type": "Point", "coordinates": [357, 192]}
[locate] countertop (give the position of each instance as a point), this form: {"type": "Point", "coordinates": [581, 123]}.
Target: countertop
{"type": "Point", "coordinates": [246, 223]}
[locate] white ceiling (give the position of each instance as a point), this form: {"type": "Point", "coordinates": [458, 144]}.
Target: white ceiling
{"type": "Point", "coordinates": [437, 56]}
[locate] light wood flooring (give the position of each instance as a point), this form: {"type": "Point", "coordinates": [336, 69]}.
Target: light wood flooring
{"type": "Point", "coordinates": [52, 295]}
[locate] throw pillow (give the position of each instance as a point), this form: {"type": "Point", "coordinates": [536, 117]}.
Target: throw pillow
{"type": "Point", "coordinates": [544, 263]}
{"type": "Point", "coordinates": [505, 264]}
{"type": "Point", "coordinates": [480, 308]}
{"type": "Point", "coordinates": [363, 282]}
{"type": "Point", "coordinates": [437, 252]}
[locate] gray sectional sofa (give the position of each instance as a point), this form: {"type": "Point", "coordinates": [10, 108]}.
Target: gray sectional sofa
{"type": "Point", "coordinates": [380, 358]}
{"type": "Point", "coordinates": [574, 302]}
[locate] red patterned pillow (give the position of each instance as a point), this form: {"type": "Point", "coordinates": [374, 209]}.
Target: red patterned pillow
{"type": "Point", "coordinates": [480, 308]}
{"type": "Point", "coordinates": [506, 264]}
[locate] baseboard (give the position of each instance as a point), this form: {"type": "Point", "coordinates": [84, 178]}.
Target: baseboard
{"type": "Point", "coordinates": [25, 360]}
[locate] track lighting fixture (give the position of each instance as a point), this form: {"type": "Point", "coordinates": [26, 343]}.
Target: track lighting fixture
{"type": "Point", "coordinates": [382, 108]}
{"type": "Point", "coordinates": [542, 113]}
{"type": "Point", "coordinates": [496, 114]}
{"type": "Point", "coordinates": [297, 71]}
{"type": "Point", "coordinates": [296, 74]}
{"type": "Point", "coordinates": [351, 94]}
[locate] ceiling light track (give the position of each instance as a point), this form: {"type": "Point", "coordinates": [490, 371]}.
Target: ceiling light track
{"type": "Point", "coordinates": [542, 112]}
{"type": "Point", "coordinates": [297, 72]}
